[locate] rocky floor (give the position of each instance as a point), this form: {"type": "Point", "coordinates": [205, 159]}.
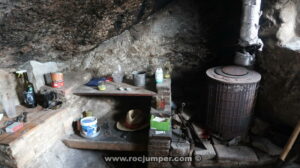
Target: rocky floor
{"type": "Point", "coordinates": [74, 158]}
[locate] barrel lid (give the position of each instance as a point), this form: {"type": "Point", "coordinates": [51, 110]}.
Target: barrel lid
{"type": "Point", "coordinates": [233, 74]}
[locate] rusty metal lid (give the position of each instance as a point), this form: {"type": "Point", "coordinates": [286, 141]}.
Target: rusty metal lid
{"type": "Point", "coordinates": [233, 74]}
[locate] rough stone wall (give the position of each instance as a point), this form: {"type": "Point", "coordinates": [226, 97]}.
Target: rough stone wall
{"type": "Point", "coordinates": [192, 35]}
{"type": "Point", "coordinates": [173, 35]}
{"type": "Point", "coordinates": [75, 32]}
{"type": "Point", "coordinates": [58, 29]}
{"type": "Point", "coordinates": [279, 63]}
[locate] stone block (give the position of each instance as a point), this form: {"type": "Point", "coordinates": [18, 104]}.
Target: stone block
{"type": "Point", "coordinates": [181, 164]}
{"type": "Point", "coordinates": [154, 134]}
{"type": "Point", "coordinates": [179, 149]}
{"type": "Point", "coordinates": [266, 145]}
{"type": "Point", "coordinates": [36, 71]}
{"type": "Point", "coordinates": [264, 158]}
{"type": "Point", "coordinates": [158, 153]}
{"type": "Point", "coordinates": [166, 112]}
{"type": "Point", "coordinates": [159, 165]}
{"type": "Point", "coordinates": [159, 144]}
{"type": "Point", "coordinates": [8, 85]}
{"type": "Point", "coordinates": [235, 153]}
{"type": "Point", "coordinates": [205, 153]}
{"type": "Point", "coordinates": [165, 84]}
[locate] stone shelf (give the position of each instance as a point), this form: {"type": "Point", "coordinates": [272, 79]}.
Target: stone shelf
{"type": "Point", "coordinates": [112, 90]}
{"type": "Point", "coordinates": [110, 138]}
{"type": "Point", "coordinates": [43, 128]}
{"type": "Point", "coordinates": [39, 115]}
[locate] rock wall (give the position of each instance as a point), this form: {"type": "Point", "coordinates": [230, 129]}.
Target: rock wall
{"type": "Point", "coordinates": [173, 35]}
{"type": "Point", "coordinates": [279, 63]}
{"type": "Point", "coordinates": [58, 29]}
{"type": "Point", "coordinates": [95, 36]}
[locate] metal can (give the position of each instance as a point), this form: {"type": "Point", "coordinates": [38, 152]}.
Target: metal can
{"type": "Point", "coordinates": [57, 79]}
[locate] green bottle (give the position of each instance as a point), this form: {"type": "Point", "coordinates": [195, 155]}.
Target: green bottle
{"type": "Point", "coordinates": [28, 93]}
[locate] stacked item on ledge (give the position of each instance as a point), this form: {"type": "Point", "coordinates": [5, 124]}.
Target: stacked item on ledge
{"type": "Point", "coordinates": [160, 133]}
{"type": "Point", "coordinates": [87, 125]}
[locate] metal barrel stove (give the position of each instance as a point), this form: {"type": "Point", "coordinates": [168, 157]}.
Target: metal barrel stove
{"type": "Point", "coordinates": [231, 99]}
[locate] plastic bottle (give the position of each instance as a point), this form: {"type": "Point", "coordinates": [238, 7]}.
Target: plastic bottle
{"type": "Point", "coordinates": [159, 75]}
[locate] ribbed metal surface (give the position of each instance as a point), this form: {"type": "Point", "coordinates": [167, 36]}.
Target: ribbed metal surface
{"type": "Point", "coordinates": [230, 108]}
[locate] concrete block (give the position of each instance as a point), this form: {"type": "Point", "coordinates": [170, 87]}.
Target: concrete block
{"type": "Point", "coordinates": [36, 71]}
{"type": "Point", "coordinates": [235, 153]}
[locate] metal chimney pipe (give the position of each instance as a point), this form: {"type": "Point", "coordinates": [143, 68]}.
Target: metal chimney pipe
{"type": "Point", "coordinates": [249, 42]}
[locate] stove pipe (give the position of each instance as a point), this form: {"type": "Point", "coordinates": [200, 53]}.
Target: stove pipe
{"type": "Point", "coordinates": [249, 42]}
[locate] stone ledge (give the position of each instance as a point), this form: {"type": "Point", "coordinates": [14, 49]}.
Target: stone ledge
{"type": "Point", "coordinates": [43, 127]}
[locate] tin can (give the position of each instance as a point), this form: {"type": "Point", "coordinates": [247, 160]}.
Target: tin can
{"type": "Point", "coordinates": [57, 77]}
{"type": "Point", "coordinates": [139, 78]}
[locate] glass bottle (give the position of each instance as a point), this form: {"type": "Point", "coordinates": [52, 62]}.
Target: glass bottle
{"type": "Point", "coordinates": [28, 93]}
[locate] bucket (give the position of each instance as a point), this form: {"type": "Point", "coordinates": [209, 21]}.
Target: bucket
{"type": "Point", "coordinates": [139, 78]}
{"type": "Point", "coordinates": [89, 126]}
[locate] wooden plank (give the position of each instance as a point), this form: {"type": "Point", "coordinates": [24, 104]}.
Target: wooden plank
{"type": "Point", "coordinates": [12, 137]}
{"type": "Point", "coordinates": [112, 90]}
{"type": "Point", "coordinates": [33, 113]}
{"type": "Point", "coordinates": [34, 119]}
{"type": "Point", "coordinates": [104, 145]}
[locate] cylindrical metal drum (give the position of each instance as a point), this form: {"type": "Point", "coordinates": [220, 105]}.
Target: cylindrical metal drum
{"type": "Point", "coordinates": [231, 98]}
